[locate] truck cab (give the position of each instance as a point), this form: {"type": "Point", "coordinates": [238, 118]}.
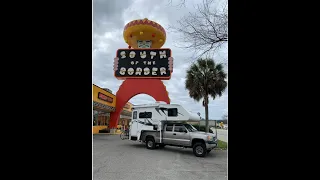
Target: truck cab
{"type": "Point", "coordinates": [182, 135]}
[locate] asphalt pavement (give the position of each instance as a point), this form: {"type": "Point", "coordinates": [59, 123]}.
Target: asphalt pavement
{"type": "Point", "coordinates": [117, 159]}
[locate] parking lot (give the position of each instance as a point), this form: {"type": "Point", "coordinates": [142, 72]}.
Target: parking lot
{"type": "Point", "coordinates": [115, 159]}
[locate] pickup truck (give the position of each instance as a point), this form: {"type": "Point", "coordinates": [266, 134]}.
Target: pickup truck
{"type": "Point", "coordinates": [182, 135]}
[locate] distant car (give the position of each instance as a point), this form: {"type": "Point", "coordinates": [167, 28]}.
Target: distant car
{"type": "Point", "coordinates": [225, 127]}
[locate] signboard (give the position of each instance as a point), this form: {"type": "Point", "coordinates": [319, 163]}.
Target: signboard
{"type": "Point", "coordinates": [105, 97]}
{"type": "Point", "coordinates": [143, 63]}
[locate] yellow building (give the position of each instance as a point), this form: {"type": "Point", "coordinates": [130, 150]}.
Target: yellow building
{"type": "Point", "coordinates": [104, 102]}
{"type": "Point", "coordinates": [125, 116]}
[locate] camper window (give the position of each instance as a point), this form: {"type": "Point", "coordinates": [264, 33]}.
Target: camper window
{"type": "Point", "coordinates": [172, 112]}
{"type": "Point", "coordinates": [145, 115]}
{"type": "Point", "coordinates": [135, 115]}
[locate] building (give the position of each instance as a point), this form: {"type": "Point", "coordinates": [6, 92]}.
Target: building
{"type": "Point", "coordinates": [104, 102]}
{"type": "Point", "coordinates": [203, 123]}
{"type": "Point", "coordinates": [212, 123]}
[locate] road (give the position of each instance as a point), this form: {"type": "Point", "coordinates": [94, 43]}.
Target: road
{"type": "Point", "coordinates": [222, 135]}
{"type": "Point", "coordinates": [114, 158]}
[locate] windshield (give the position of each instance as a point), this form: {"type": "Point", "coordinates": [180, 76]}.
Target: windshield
{"type": "Point", "coordinates": [190, 127]}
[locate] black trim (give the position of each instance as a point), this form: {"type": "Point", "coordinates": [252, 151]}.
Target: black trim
{"type": "Point", "coordinates": [147, 124]}
{"type": "Point", "coordinates": [162, 109]}
{"type": "Point", "coordinates": [157, 109]}
{"type": "Point", "coordinates": [211, 142]}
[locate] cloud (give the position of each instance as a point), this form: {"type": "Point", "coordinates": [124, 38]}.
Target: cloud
{"type": "Point", "coordinates": [109, 19]}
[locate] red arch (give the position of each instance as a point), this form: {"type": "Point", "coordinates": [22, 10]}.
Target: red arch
{"type": "Point", "coordinates": [133, 87]}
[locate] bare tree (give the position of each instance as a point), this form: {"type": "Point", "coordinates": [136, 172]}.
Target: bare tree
{"type": "Point", "coordinates": [205, 30]}
{"type": "Point", "coordinates": [180, 4]}
{"type": "Point", "coordinates": [225, 117]}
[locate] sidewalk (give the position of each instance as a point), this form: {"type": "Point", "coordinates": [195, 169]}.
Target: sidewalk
{"type": "Point", "coordinates": [116, 133]}
{"type": "Point", "coordinates": [222, 135]}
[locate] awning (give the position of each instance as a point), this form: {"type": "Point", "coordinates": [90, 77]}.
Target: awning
{"type": "Point", "coordinates": [101, 107]}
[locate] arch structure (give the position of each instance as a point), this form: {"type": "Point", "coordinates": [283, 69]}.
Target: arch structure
{"type": "Point", "coordinates": [132, 87]}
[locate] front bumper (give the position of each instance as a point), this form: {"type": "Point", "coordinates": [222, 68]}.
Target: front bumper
{"type": "Point", "coordinates": [211, 144]}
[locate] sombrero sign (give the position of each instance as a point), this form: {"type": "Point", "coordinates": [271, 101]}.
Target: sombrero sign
{"type": "Point", "coordinates": [144, 58]}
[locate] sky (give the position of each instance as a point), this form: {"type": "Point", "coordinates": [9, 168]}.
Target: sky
{"type": "Point", "coordinates": [109, 19]}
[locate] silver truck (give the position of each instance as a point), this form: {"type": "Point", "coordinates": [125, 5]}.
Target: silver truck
{"type": "Point", "coordinates": [182, 135]}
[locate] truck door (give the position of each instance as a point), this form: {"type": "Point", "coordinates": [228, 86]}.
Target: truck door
{"type": "Point", "coordinates": [181, 135]}
{"type": "Point", "coordinates": [168, 135]}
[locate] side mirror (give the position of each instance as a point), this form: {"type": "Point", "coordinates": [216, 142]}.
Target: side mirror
{"type": "Point", "coordinates": [185, 131]}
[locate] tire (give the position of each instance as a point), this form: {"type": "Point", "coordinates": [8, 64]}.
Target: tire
{"type": "Point", "coordinates": [199, 149]}
{"type": "Point", "coordinates": [150, 143]}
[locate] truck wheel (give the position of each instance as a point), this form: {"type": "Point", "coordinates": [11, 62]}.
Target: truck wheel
{"type": "Point", "coordinates": [199, 149]}
{"type": "Point", "coordinates": [150, 143]}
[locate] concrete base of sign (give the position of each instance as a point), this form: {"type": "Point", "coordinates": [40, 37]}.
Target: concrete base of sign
{"type": "Point", "coordinates": [113, 131]}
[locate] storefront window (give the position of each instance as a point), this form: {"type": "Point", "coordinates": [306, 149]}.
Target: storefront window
{"type": "Point", "coordinates": [95, 118]}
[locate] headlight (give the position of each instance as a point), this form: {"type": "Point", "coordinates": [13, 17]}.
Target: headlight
{"type": "Point", "coordinates": [210, 138]}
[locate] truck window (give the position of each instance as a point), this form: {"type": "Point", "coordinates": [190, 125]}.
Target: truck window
{"type": "Point", "coordinates": [169, 128]}
{"type": "Point", "coordinates": [179, 128]}
{"type": "Point", "coordinates": [135, 115]}
{"type": "Point", "coordinates": [172, 112]}
{"type": "Point", "coordinates": [145, 115]}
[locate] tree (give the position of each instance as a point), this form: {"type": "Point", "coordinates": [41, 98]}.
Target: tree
{"type": "Point", "coordinates": [205, 30]}
{"type": "Point", "coordinates": [205, 78]}
{"type": "Point", "coordinates": [225, 117]}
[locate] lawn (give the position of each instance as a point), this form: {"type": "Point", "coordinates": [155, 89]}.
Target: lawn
{"type": "Point", "coordinates": [222, 145]}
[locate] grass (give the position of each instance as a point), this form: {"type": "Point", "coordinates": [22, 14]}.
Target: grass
{"type": "Point", "coordinates": [222, 145]}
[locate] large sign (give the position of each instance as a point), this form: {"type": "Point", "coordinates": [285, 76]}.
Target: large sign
{"type": "Point", "coordinates": [104, 97]}
{"type": "Point", "coordinates": [143, 63]}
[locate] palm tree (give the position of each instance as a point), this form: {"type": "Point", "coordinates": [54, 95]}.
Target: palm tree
{"type": "Point", "coordinates": [205, 78]}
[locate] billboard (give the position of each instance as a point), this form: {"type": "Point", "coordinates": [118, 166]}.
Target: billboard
{"type": "Point", "coordinates": [143, 63]}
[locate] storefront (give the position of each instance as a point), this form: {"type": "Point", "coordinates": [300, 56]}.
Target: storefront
{"type": "Point", "coordinates": [125, 116]}
{"type": "Point", "coordinates": [104, 102]}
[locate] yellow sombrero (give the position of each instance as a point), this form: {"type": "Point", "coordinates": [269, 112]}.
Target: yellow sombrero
{"type": "Point", "coordinates": [144, 29]}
